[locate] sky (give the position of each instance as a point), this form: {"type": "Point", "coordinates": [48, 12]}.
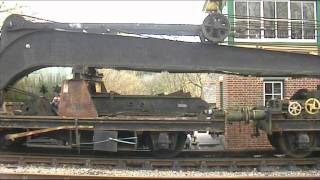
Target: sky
{"type": "Point", "coordinates": [167, 12]}
{"type": "Point", "coordinates": [162, 12]}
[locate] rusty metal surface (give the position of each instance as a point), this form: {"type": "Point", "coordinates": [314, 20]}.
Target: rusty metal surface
{"type": "Point", "coordinates": [75, 100]}
{"type": "Point", "coordinates": [25, 50]}
{"type": "Point", "coordinates": [42, 131]}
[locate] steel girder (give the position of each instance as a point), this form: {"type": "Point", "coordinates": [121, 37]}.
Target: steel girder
{"type": "Point", "coordinates": [27, 46]}
{"type": "Point", "coordinates": [126, 123]}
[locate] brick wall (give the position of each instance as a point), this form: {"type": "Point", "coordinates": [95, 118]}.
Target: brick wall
{"type": "Point", "coordinates": [291, 85]}
{"type": "Point", "coordinates": [243, 91]}
{"type": "Point", "coordinates": [248, 91]}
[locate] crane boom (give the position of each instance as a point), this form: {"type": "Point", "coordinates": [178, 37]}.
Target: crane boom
{"type": "Point", "coordinates": [26, 46]}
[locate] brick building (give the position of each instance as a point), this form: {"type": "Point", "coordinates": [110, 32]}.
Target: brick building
{"type": "Point", "coordinates": [272, 25]}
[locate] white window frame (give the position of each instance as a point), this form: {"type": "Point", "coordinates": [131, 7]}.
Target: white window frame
{"type": "Point", "coordinates": [273, 94]}
{"type": "Point", "coordinates": [276, 39]}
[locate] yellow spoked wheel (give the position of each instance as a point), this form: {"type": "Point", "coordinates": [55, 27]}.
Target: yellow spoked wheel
{"type": "Point", "coordinates": [312, 106]}
{"type": "Point", "coordinates": [294, 108]}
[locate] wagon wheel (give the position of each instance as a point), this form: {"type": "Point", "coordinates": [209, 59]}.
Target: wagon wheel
{"type": "Point", "coordinates": [289, 146]}
{"type": "Point", "coordinates": [215, 27]}
{"type": "Point", "coordinates": [180, 141]}
{"type": "Point", "coordinates": [294, 108]}
{"type": "Point", "coordinates": [312, 106]}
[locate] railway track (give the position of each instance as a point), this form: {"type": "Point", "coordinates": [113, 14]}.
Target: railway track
{"type": "Point", "coordinates": [46, 176]}
{"type": "Point", "coordinates": [261, 163]}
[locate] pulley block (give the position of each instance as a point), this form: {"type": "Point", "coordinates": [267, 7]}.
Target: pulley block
{"type": "Point", "coordinates": [215, 27]}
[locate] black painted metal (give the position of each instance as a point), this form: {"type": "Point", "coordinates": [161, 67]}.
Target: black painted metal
{"type": "Point", "coordinates": [296, 125]}
{"type": "Point", "coordinates": [148, 105]}
{"type": "Point", "coordinates": [147, 123]}
{"type": "Point", "coordinates": [286, 125]}
{"type": "Point", "coordinates": [25, 49]}
{"type": "Point", "coordinates": [19, 23]}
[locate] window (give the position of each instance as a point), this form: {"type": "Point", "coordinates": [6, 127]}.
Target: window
{"type": "Point", "coordinates": [281, 19]}
{"type": "Point", "coordinates": [247, 27]}
{"type": "Point", "coordinates": [272, 90]}
{"type": "Point", "coordinates": [303, 20]}
{"type": "Point", "coordinates": [269, 22]}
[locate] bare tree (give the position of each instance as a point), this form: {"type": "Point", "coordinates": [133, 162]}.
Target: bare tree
{"type": "Point", "coordinates": [170, 82]}
{"type": "Point", "coordinates": [123, 82]}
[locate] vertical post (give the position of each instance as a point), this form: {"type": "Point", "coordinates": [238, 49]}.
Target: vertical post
{"type": "Point", "coordinates": [221, 95]}
{"type": "Point", "coordinates": [77, 135]}
{"type": "Point", "coordinates": [1, 99]}
{"type": "Point", "coordinates": [318, 24]}
{"type": "Point", "coordinates": [70, 137]}
{"type": "Point", "coordinates": [230, 5]}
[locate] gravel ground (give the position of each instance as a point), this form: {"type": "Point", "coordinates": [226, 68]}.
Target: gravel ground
{"type": "Point", "coordinates": [76, 170]}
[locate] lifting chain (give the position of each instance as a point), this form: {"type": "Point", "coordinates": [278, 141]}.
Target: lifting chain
{"type": "Point", "coordinates": [312, 106]}
{"type": "Point", "coordinates": [294, 108]}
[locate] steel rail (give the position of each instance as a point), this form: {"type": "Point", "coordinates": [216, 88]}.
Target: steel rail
{"type": "Point", "coordinates": [151, 163]}
{"type": "Point", "coordinates": [55, 176]}
{"type": "Point", "coordinates": [148, 163]}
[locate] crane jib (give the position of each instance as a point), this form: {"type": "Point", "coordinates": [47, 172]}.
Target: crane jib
{"type": "Point", "coordinates": [26, 46]}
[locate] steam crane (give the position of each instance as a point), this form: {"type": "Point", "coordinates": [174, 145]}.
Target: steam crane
{"type": "Point", "coordinates": [90, 116]}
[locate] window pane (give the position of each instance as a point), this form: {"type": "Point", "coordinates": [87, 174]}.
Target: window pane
{"type": "Point", "coordinates": [268, 88]}
{"type": "Point", "coordinates": [241, 29]}
{"type": "Point", "coordinates": [268, 9]}
{"type": "Point", "coordinates": [254, 25]}
{"type": "Point", "coordinates": [267, 98]}
{"type": "Point", "coordinates": [282, 29]}
{"type": "Point", "coordinates": [296, 10]}
{"type": "Point", "coordinates": [269, 31]}
{"type": "Point", "coordinates": [277, 97]}
{"type": "Point", "coordinates": [277, 88]}
{"type": "Point", "coordinates": [254, 10]}
{"type": "Point", "coordinates": [296, 26]}
{"type": "Point", "coordinates": [296, 30]}
{"type": "Point", "coordinates": [269, 13]}
{"type": "Point", "coordinates": [309, 30]}
{"type": "Point", "coordinates": [282, 10]}
{"type": "Point", "coordinates": [308, 11]}
{"type": "Point", "coordinates": [241, 9]}
{"type": "Point", "coordinates": [309, 24]}
{"type": "Point", "coordinates": [255, 29]}
{"type": "Point", "coordinates": [282, 23]}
